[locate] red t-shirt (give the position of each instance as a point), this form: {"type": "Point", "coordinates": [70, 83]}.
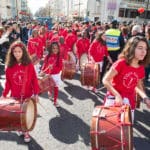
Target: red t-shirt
{"type": "Point", "coordinates": [64, 51]}
{"type": "Point", "coordinates": [70, 40]}
{"type": "Point", "coordinates": [35, 46]}
{"type": "Point", "coordinates": [55, 62]}
{"type": "Point", "coordinates": [126, 80]}
{"type": "Point", "coordinates": [97, 50]}
{"type": "Point", "coordinates": [18, 75]}
{"type": "Point", "coordinates": [82, 46]}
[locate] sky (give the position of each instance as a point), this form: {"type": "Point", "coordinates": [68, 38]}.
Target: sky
{"type": "Point", "coordinates": [34, 5]}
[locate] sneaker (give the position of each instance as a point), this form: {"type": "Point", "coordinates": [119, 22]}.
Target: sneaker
{"type": "Point", "coordinates": [19, 133]}
{"type": "Point", "coordinates": [56, 105]}
{"type": "Point", "coordinates": [88, 88]}
{"type": "Point", "coordinates": [27, 137]}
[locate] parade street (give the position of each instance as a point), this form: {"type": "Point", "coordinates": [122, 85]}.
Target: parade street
{"type": "Point", "coordinates": [68, 127]}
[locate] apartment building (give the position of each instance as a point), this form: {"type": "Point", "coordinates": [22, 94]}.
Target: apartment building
{"type": "Point", "coordinates": [106, 10]}
{"type": "Point", "coordinates": [12, 8]}
{"type": "Point", "coordinates": [5, 9]}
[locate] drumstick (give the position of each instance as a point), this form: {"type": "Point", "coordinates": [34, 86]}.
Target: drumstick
{"type": "Point", "coordinates": [43, 107]}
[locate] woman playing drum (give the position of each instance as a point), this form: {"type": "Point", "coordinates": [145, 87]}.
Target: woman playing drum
{"type": "Point", "coordinates": [21, 80]}
{"type": "Point", "coordinates": [98, 50]}
{"type": "Point", "coordinates": [124, 79]}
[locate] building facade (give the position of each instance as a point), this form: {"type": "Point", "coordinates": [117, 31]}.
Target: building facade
{"type": "Point", "coordinates": [62, 10]}
{"type": "Point", "coordinates": [107, 10]}
{"type": "Point", "coordinates": [5, 9]}
{"type": "Point", "coordinates": [13, 8]}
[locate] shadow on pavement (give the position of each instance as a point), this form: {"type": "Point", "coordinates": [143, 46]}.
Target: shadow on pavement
{"type": "Point", "coordinates": [78, 92]}
{"type": "Point", "coordinates": [141, 144]}
{"type": "Point", "coordinates": [141, 126]}
{"type": "Point", "coordinates": [68, 128]}
{"type": "Point", "coordinates": [64, 97]}
{"type": "Point", "coordinates": [142, 122]}
{"type": "Point", "coordinates": [1, 89]}
{"type": "Point", "coordinates": [8, 136]}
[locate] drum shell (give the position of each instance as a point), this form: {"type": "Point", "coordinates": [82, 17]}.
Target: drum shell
{"type": "Point", "coordinates": [107, 128]}
{"type": "Point", "coordinates": [71, 57]}
{"type": "Point", "coordinates": [46, 83]}
{"type": "Point", "coordinates": [14, 115]}
{"type": "Point", "coordinates": [68, 70]}
{"type": "Point", "coordinates": [83, 60]}
{"type": "Point", "coordinates": [90, 74]}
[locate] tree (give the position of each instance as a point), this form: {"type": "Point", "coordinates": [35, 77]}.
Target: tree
{"type": "Point", "coordinates": [43, 11]}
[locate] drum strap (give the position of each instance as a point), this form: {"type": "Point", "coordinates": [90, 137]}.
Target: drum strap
{"type": "Point", "coordinates": [46, 69]}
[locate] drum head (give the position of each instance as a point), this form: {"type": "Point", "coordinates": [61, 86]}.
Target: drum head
{"type": "Point", "coordinates": [29, 115]}
{"type": "Point", "coordinates": [83, 59]}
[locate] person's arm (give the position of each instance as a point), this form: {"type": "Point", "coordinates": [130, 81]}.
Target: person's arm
{"type": "Point", "coordinates": [140, 90]}
{"type": "Point", "coordinates": [109, 59]}
{"type": "Point", "coordinates": [107, 83]}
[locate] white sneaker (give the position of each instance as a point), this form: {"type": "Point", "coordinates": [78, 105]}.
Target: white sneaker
{"type": "Point", "coordinates": [27, 138]}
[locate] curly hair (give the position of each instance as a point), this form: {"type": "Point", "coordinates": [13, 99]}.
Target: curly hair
{"type": "Point", "coordinates": [11, 60]}
{"type": "Point", "coordinates": [128, 52]}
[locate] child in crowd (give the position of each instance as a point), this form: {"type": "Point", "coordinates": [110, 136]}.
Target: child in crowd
{"type": "Point", "coordinates": [98, 50]}
{"type": "Point", "coordinates": [53, 65]}
{"type": "Point", "coordinates": [21, 80]}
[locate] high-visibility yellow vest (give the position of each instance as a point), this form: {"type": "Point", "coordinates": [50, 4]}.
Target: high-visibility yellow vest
{"type": "Point", "coordinates": [112, 39]}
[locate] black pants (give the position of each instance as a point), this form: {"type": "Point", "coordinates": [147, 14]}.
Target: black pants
{"type": "Point", "coordinates": [114, 55]}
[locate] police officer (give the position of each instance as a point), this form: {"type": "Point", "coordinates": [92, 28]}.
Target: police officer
{"type": "Point", "coordinates": [114, 40]}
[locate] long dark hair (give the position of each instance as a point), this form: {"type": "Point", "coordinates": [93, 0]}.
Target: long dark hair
{"type": "Point", "coordinates": [128, 52]}
{"type": "Point", "coordinates": [50, 51]}
{"type": "Point", "coordinates": [11, 60]}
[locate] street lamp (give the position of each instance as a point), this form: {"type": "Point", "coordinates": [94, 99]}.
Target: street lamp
{"type": "Point", "coordinates": [147, 8]}
{"type": "Point", "coordinates": [17, 9]}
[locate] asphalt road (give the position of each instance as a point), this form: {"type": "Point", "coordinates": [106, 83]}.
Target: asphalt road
{"type": "Point", "coordinates": [68, 127]}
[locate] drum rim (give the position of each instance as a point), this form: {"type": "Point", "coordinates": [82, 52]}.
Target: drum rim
{"type": "Point", "coordinates": [23, 115]}
{"type": "Point", "coordinates": [95, 118]}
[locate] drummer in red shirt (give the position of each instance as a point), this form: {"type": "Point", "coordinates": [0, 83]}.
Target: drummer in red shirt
{"type": "Point", "coordinates": [125, 77]}
{"type": "Point", "coordinates": [70, 40]}
{"type": "Point", "coordinates": [82, 45]}
{"type": "Point", "coordinates": [53, 65]}
{"type": "Point", "coordinates": [98, 50]}
{"type": "Point", "coordinates": [21, 80]}
{"type": "Point", "coordinates": [35, 49]}
{"type": "Point", "coordinates": [64, 49]}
